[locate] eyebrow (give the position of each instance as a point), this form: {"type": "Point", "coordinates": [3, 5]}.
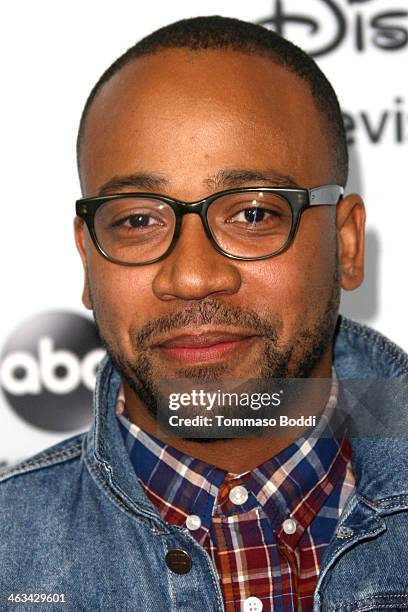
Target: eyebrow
{"type": "Point", "coordinates": [150, 182]}
{"type": "Point", "coordinates": [234, 177]}
{"type": "Point", "coordinates": [227, 177]}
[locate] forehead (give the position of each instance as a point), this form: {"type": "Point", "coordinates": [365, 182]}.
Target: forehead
{"type": "Point", "coordinates": [202, 111]}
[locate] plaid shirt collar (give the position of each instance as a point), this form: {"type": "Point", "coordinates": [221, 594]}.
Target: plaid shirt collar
{"type": "Point", "coordinates": [295, 483]}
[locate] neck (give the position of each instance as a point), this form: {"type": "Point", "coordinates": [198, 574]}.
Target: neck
{"type": "Point", "coordinates": [237, 455]}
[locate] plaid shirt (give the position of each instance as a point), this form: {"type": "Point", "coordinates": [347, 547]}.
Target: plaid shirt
{"type": "Point", "coordinates": [251, 544]}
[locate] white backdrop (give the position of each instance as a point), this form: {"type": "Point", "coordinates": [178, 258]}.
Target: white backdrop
{"type": "Point", "coordinates": [52, 54]}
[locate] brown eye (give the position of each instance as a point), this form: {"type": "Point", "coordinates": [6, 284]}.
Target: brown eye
{"type": "Point", "coordinates": [253, 215]}
{"type": "Point", "coordinates": [136, 221]}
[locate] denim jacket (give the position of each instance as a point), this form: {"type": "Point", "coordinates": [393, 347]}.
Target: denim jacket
{"type": "Point", "coordinates": [74, 520]}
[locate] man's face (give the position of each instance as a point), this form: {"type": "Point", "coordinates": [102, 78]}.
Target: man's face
{"type": "Point", "coordinates": [193, 123]}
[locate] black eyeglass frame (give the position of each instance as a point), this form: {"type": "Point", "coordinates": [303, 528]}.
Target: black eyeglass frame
{"type": "Point", "coordinates": [298, 200]}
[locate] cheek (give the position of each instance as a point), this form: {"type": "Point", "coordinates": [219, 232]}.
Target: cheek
{"type": "Point", "coordinates": [121, 297]}
{"type": "Point", "coordinates": [297, 284]}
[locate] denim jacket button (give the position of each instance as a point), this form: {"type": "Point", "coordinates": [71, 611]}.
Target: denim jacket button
{"type": "Point", "coordinates": [179, 561]}
{"type": "Point", "coordinates": [344, 532]}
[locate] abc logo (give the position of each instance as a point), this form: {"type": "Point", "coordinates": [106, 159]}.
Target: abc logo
{"type": "Point", "coordinates": [48, 370]}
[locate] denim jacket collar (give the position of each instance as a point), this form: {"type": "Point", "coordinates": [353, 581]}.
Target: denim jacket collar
{"type": "Point", "coordinates": [379, 464]}
{"type": "Point", "coordinates": [106, 455]}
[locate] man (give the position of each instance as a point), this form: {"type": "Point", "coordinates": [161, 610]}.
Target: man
{"type": "Point", "coordinates": [240, 286]}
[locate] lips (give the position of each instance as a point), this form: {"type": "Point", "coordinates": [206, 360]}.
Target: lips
{"type": "Point", "coordinates": [204, 346]}
{"type": "Point", "coordinates": [204, 340]}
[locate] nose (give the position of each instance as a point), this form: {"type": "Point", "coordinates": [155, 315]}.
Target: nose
{"type": "Point", "coordinates": [194, 269]}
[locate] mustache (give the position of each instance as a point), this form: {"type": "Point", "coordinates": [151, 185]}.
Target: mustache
{"type": "Point", "coordinates": [207, 311]}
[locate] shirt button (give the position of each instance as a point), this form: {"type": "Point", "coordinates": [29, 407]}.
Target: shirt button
{"type": "Point", "coordinates": [253, 604]}
{"type": "Point", "coordinates": [179, 561]}
{"type": "Point", "coordinates": [193, 522]}
{"type": "Point", "coordinates": [289, 526]}
{"type": "Point", "coordinates": [238, 495]}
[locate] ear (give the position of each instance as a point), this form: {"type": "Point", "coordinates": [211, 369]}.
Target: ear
{"type": "Point", "coordinates": [80, 241]}
{"type": "Point", "coordinates": [350, 222]}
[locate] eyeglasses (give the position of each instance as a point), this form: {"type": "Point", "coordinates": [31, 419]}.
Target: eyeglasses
{"type": "Point", "coordinates": [247, 224]}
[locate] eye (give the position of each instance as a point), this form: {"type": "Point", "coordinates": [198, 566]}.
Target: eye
{"type": "Point", "coordinates": [254, 215]}
{"type": "Point", "coordinates": [137, 221]}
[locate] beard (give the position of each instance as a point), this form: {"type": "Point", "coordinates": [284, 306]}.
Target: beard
{"type": "Point", "coordinates": [296, 360]}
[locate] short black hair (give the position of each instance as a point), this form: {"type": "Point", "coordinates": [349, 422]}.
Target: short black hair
{"type": "Point", "coordinates": [216, 32]}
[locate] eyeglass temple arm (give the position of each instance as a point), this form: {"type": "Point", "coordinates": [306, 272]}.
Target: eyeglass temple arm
{"type": "Point", "coordinates": [328, 194]}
